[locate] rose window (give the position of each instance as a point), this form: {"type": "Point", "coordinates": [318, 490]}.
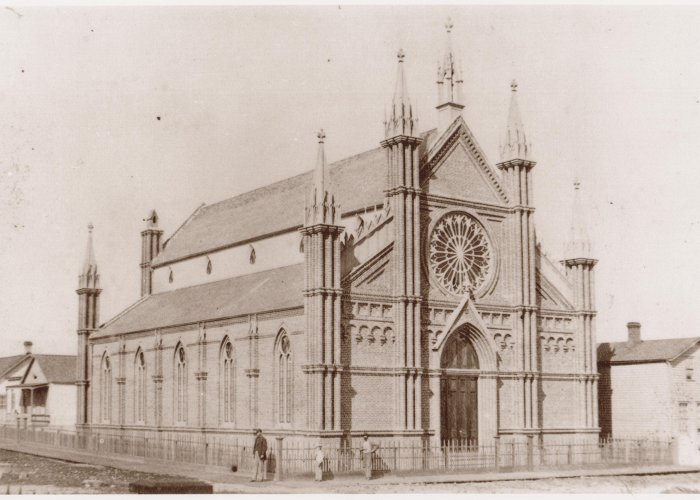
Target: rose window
{"type": "Point", "coordinates": [460, 255]}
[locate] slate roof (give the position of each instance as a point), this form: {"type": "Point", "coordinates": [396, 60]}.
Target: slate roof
{"type": "Point", "coordinates": [57, 368]}
{"type": "Point", "coordinates": [357, 182]}
{"type": "Point", "coordinates": [278, 288]}
{"type": "Point", "coordinates": [646, 351]}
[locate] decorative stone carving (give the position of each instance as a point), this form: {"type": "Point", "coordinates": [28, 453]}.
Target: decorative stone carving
{"type": "Point", "coordinates": [460, 254]}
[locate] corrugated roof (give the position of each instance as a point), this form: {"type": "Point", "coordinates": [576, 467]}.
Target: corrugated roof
{"type": "Point", "coordinates": [645, 351]}
{"type": "Point", "coordinates": [58, 369]}
{"type": "Point", "coordinates": [279, 288]}
{"type": "Point", "coordinates": [357, 182]}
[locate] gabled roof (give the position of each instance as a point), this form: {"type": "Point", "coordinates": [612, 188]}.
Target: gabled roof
{"type": "Point", "coordinates": [279, 288]}
{"type": "Point", "coordinates": [57, 368]}
{"type": "Point", "coordinates": [357, 182]}
{"type": "Point", "coordinates": [9, 362]}
{"type": "Point", "coordinates": [646, 351]}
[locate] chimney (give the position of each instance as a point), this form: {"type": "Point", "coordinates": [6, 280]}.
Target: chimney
{"type": "Point", "coordinates": [634, 334]}
{"type": "Point", "coordinates": [28, 347]}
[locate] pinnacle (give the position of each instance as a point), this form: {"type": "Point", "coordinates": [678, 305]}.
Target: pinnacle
{"type": "Point", "coordinates": [514, 145]}
{"type": "Point", "coordinates": [579, 244]}
{"type": "Point", "coordinates": [400, 120]}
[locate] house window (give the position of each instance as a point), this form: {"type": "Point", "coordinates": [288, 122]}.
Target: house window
{"type": "Point", "coordinates": [689, 373]}
{"type": "Point", "coordinates": [106, 390]}
{"type": "Point", "coordinates": [227, 382]}
{"type": "Point", "coordinates": [284, 380]}
{"type": "Point", "coordinates": [3, 401]}
{"type": "Point", "coordinates": [140, 389]}
{"type": "Point", "coordinates": [180, 385]}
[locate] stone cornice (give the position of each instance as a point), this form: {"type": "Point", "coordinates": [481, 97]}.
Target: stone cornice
{"type": "Point", "coordinates": [402, 189]}
{"type": "Point", "coordinates": [321, 228]}
{"type": "Point", "coordinates": [476, 205]}
{"type": "Point", "coordinates": [516, 162]}
{"type": "Point", "coordinates": [81, 291]}
{"type": "Point", "coordinates": [579, 260]}
{"type": "Point", "coordinates": [399, 139]}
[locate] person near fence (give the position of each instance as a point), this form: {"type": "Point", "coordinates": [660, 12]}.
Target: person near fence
{"type": "Point", "coordinates": [259, 457]}
{"type": "Point", "coordinates": [367, 452]}
{"type": "Point", "coordinates": [320, 457]}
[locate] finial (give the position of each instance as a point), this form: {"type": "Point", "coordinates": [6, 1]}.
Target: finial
{"type": "Point", "coordinates": [90, 228]}
{"type": "Point", "coordinates": [577, 184]}
{"type": "Point", "coordinates": [321, 136]}
{"type": "Point", "coordinates": [400, 55]}
{"type": "Point", "coordinates": [449, 24]}
{"type": "Point", "coordinates": [514, 85]}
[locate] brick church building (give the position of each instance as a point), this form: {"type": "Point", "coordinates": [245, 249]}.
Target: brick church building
{"type": "Point", "coordinates": [399, 292]}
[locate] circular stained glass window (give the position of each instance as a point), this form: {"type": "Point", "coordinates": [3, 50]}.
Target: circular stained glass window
{"type": "Point", "coordinates": [460, 254]}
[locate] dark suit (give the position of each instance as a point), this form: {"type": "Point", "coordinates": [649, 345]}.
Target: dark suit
{"type": "Point", "coordinates": [259, 456]}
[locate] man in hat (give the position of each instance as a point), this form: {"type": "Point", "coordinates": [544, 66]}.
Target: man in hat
{"type": "Point", "coordinates": [259, 456]}
{"type": "Point", "coordinates": [367, 452]}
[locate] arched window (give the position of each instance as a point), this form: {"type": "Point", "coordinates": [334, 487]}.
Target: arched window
{"type": "Point", "coordinates": [209, 266]}
{"type": "Point", "coordinates": [284, 380]}
{"type": "Point", "coordinates": [227, 382]}
{"type": "Point", "coordinates": [140, 387]}
{"type": "Point", "coordinates": [180, 385]}
{"type": "Point", "coordinates": [106, 389]}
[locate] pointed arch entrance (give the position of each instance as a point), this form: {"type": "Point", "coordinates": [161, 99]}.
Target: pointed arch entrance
{"type": "Point", "coordinates": [459, 389]}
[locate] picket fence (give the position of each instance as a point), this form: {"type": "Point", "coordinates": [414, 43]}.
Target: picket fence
{"type": "Point", "coordinates": [288, 459]}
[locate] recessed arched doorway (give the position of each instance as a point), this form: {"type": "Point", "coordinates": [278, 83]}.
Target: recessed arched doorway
{"type": "Point", "coordinates": [459, 389]}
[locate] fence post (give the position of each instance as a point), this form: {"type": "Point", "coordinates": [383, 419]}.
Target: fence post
{"type": "Point", "coordinates": [627, 451]}
{"type": "Point", "coordinates": [529, 451]}
{"type": "Point", "coordinates": [497, 451]}
{"type": "Point", "coordinates": [278, 462]}
{"type": "Point", "coordinates": [569, 454]}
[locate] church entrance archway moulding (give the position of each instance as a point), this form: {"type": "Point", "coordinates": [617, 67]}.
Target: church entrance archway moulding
{"type": "Point", "coordinates": [466, 385]}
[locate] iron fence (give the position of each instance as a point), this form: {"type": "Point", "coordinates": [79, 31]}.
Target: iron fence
{"type": "Point", "coordinates": [294, 460]}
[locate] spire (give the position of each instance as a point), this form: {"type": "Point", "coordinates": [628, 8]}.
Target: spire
{"type": "Point", "coordinates": [89, 277]}
{"type": "Point", "coordinates": [323, 208]}
{"type": "Point", "coordinates": [401, 120]}
{"type": "Point", "coordinates": [579, 244]}
{"type": "Point", "coordinates": [449, 82]}
{"type": "Point", "coordinates": [515, 145]}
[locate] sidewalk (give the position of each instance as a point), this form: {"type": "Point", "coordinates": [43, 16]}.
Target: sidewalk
{"type": "Point", "coordinates": [225, 481]}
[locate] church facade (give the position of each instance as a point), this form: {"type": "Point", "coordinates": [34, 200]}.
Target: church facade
{"type": "Point", "coordinates": [399, 292]}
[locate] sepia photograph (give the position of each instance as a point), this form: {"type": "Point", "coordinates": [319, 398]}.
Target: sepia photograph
{"type": "Point", "coordinates": [349, 249]}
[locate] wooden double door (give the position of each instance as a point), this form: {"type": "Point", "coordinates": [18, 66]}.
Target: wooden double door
{"type": "Point", "coordinates": [459, 408]}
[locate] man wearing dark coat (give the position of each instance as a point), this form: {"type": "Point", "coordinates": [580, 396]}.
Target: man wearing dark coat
{"type": "Point", "coordinates": [259, 457]}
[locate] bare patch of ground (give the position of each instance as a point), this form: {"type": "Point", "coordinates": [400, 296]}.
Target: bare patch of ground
{"type": "Point", "coordinates": [27, 474]}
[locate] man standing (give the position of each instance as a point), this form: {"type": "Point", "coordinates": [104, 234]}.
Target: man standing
{"type": "Point", "coordinates": [367, 456]}
{"type": "Point", "coordinates": [259, 456]}
{"type": "Point", "coordinates": [320, 457]}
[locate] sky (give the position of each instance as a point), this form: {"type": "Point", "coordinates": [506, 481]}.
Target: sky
{"type": "Point", "coordinates": [107, 113]}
